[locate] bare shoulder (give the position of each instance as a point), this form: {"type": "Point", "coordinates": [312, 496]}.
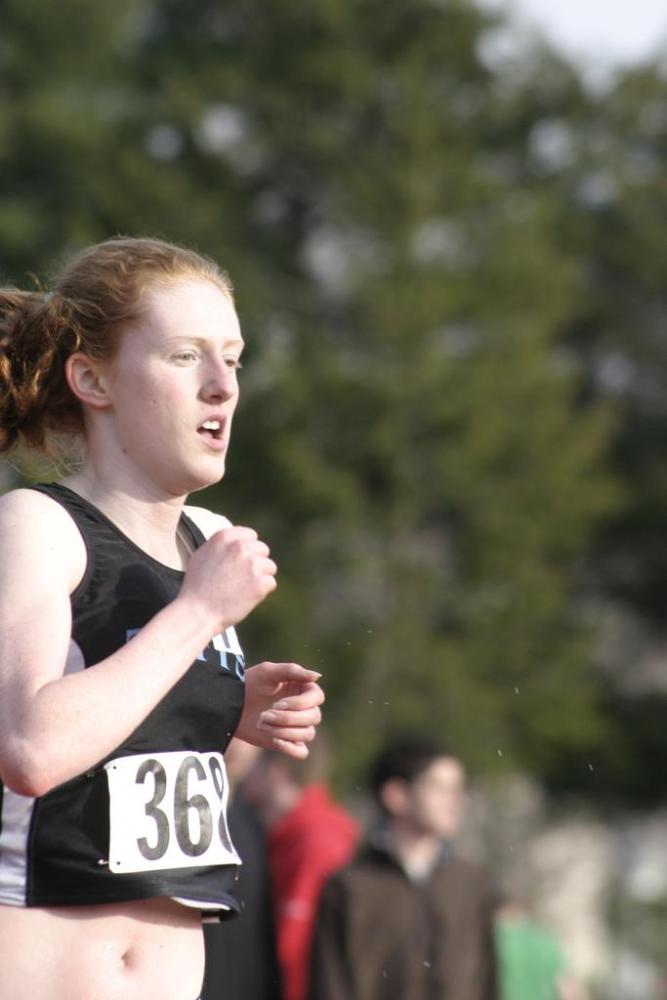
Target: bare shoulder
{"type": "Point", "coordinates": [38, 538]}
{"type": "Point", "coordinates": [42, 557]}
{"type": "Point", "coordinates": [207, 521]}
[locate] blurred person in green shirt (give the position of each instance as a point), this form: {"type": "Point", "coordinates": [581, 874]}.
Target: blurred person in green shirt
{"type": "Point", "coordinates": [531, 962]}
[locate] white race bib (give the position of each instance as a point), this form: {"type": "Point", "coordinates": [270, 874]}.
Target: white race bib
{"type": "Point", "coordinates": [168, 810]}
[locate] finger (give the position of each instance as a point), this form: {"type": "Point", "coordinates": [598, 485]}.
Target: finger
{"type": "Point", "coordinates": [298, 698]}
{"type": "Point", "coordinates": [307, 717]}
{"type": "Point", "coordinates": [297, 750]}
{"type": "Point", "coordinates": [286, 672]}
{"type": "Point", "coordinates": [236, 531]}
{"type": "Point", "coordinates": [293, 734]}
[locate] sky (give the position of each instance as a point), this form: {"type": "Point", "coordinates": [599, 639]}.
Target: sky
{"type": "Point", "coordinates": [601, 35]}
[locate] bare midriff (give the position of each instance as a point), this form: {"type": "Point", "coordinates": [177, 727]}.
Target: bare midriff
{"type": "Point", "coordinates": [145, 950]}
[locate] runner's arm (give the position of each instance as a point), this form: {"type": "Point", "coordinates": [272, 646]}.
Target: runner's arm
{"type": "Point", "coordinates": [53, 725]}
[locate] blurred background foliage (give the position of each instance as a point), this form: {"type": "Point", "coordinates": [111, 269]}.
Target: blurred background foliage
{"type": "Point", "coordinates": [449, 271]}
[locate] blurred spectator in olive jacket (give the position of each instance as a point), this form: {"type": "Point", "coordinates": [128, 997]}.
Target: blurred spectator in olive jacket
{"type": "Point", "coordinates": [408, 919]}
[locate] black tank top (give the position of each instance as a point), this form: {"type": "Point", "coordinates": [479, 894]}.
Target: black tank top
{"type": "Point", "coordinates": [150, 819]}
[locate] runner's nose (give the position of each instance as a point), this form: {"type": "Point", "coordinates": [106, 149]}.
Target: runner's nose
{"type": "Point", "coordinates": [221, 382]}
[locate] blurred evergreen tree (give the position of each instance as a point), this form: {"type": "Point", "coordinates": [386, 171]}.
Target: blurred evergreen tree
{"type": "Point", "coordinates": [599, 155]}
{"type": "Point", "coordinates": [620, 332]}
{"type": "Point", "coordinates": [413, 440]}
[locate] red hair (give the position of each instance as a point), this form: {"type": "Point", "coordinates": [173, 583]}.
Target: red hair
{"type": "Point", "coordinates": [98, 295]}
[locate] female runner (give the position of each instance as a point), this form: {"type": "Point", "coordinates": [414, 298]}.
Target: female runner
{"type": "Point", "coordinates": [121, 676]}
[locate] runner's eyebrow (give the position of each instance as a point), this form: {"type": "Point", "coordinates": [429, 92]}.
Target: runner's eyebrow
{"type": "Point", "coordinates": [193, 338]}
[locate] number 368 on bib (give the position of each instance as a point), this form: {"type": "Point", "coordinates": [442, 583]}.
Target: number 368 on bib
{"type": "Point", "coordinates": [168, 810]}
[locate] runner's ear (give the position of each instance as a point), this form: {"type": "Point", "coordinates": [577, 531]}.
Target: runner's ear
{"type": "Point", "coordinates": [86, 378]}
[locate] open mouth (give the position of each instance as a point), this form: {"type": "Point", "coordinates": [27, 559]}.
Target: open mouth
{"type": "Point", "coordinates": [211, 429]}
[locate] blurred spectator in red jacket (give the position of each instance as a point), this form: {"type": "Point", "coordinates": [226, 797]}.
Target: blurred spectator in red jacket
{"type": "Point", "coordinates": [309, 836]}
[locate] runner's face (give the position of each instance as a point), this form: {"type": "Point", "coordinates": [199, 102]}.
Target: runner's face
{"type": "Point", "coordinates": [173, 386]}
{"type": "Point", "coordinates": [436, 798]}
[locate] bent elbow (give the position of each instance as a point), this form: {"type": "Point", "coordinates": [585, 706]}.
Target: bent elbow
{"type": "Point", "coordinates": [15, 783]}
{"type": "Point", "coordinates": [24, 773]}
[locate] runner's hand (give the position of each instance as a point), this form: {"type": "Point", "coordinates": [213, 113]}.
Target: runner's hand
{"type": "Point", "coordinates": [282, 708]}
{"type": "Point", "coordinates": [229, 576]}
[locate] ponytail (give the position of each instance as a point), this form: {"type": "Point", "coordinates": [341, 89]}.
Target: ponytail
{"type": "Point", "coordinates": [36, 335]}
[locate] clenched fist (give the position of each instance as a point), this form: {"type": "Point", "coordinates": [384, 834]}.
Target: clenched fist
{"type": "Point", "coordinates": [230, 575]}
